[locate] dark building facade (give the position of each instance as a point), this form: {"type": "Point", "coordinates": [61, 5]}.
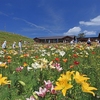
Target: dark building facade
{"type": "Point", "coordinates": [63, 39]}
{"type": "Point", "coordinates": [54, 39]}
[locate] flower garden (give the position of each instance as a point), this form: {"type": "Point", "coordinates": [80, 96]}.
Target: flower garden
{"type": "Point", "coordinates": [50, 72]}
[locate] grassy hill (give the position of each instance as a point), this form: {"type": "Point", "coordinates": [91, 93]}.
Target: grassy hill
{"type": "Point", "coordinates": [10, 38]}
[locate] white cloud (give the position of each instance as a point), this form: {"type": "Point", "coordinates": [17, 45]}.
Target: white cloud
{"type": "Point", "coordinates": [89, 32]}
{"type": "Point", "coordinates": [73, 31]}
{"type": "Point", "coordinates": [93, 22]}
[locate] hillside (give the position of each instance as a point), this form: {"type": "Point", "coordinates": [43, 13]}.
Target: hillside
{"type": "Point", "coordinates": [10, 38]}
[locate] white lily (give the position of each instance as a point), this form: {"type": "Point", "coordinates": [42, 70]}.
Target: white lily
{"type": "Point", "coordinates": [62, 53]}
{"type": "Point", "coordinates": [35, 65]}
{"type": "Point", "coordinates": [29, 68]}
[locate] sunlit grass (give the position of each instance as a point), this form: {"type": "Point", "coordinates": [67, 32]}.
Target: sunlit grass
{"type": "Point", "coordinates": [11, 37]}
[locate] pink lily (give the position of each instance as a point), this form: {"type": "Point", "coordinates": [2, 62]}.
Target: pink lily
{"type": "Point", "coordinates": [53, 91]}
{"type": "Point", "coordinates": [31, 98]}
{"type": "Point", "coordinates": [57, 66]}
{"type": "Point", "coordinates": [48, 84]}
{"type": "Point", "coordinates": [19, 69]}
{"type": "Point", "coordinates": [42, 92]}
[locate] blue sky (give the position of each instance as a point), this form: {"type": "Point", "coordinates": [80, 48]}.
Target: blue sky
{"type": "Point", "coordinates": [39, 18]}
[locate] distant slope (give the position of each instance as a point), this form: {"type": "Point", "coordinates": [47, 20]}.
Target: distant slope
{"type": "Point", "coordinates": [10, 38]}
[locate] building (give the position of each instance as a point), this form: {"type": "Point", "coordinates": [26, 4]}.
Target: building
{"type": "Point", "coordinates": [63, 39]}
{"type": "Point", "coordinates": [53, 39]}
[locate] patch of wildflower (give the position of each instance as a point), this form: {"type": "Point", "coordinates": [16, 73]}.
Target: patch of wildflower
{"type": "Point", "coordinates": [3, 80]}
{"type": "Point", "coordinates": [65, 80]}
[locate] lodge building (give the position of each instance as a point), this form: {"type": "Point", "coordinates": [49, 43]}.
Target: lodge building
{"type": "Point", "coordinates": [63, 39]}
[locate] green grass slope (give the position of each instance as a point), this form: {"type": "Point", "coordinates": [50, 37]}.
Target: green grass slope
{"type": "Point", "coordinates": [10, 38]}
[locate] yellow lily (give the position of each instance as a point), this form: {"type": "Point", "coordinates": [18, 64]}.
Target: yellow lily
{"type": "Point", "coordinates": [64, 82]}
{"type": "Point", "coordinates": [3, 80]}
{"type": "Point", "coordinates": [80, 78]}
{"type": "Point", "coordinates": [3, 65]}
{"type": "Point", "coordinates": [87, 88]}
{"type": "Point", "coordinates": [63, 85]}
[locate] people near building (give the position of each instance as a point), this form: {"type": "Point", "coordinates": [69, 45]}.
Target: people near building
{"type": "Point", "coordinates": [75, 39]}
{"type": "Point", "coordinates": [48, 41]}
{"type": "Point", "coordinates": [89, 42]}
{"type": "Point", "coordinates": [72, 42]}
{"type": "Point", "coordinates": [4, 45]}
{"type": "Point", "coordinates": [14, 45]}
{"type": "Point", "coordinates": [98, 42]}
{"type": "Point", "coordinates": [20, 46]}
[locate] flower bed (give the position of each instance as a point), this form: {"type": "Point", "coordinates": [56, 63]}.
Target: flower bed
{"type": "Point", "coordinates": [50, 72]}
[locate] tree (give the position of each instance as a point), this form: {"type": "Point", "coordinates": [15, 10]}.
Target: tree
{"type": "Point", "coordinates": [81, 35]}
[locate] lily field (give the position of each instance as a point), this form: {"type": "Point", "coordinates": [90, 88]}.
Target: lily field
{"type": "Point", "coordinates": [50, 72]}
